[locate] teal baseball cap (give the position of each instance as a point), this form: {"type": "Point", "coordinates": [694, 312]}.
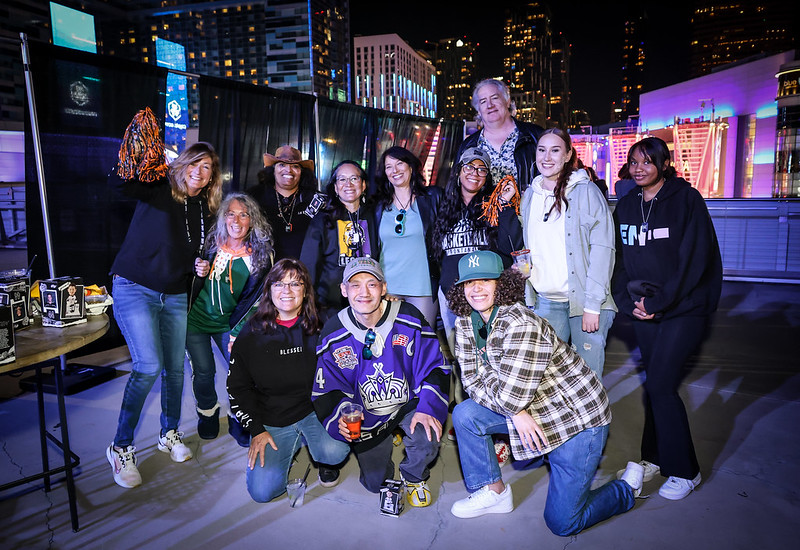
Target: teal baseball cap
{"type": "Point", "coordinates": [483, 264]}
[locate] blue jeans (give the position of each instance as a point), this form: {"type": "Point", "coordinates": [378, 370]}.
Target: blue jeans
{"type": "Point", "coordinates": [154, 326]}
{"type": "Point", "coordinates": [204, 366]}
{"type": "Point", "coordinates": [571, 506]}
{"type": "Point", "coordinates": [591, 346]}
{"type": "Point", "coordinates": [264, 483]}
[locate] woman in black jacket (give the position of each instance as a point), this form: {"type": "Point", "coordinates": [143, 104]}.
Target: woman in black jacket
{"type": "Point", "coordinates": [668, 279]}
{"type": "Point", "coordinates": [461, 228]}
{"type": "Point", "coordinates": [405, 215]}
{"type": "Point", "coordinates": [344, 230]}
{"type": "Point", "coordinates": [151, 278]}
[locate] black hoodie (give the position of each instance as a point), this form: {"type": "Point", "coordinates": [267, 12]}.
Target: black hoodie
{"type": "Point", "coordinates": [679, 252]}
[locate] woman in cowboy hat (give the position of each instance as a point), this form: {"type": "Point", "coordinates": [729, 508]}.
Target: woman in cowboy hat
{"type": "Point", "coordinates": [287, 194]}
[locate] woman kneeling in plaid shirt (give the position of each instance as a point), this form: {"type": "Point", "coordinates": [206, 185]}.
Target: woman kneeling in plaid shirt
{"type": "Point", "coordinates": [525, 382]}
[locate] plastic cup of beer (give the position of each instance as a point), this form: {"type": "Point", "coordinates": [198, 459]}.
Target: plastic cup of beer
{"type": "Point", "coordinates": [296, 491]}
{"type": "Point", "coordinates": [352, 413]}
{"type": "Point", "coordinates": [522, 261]}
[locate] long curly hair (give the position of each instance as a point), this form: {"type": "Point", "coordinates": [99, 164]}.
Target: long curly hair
{"type": "Point", "coordinates": [569, 167]}
{"type": "Point", "coordinates": [334, 208]}
{"type": "Point", "coordinates": [265, 318]}
{"type": "Point", "coordinates": [510, 290]}
{"type": "Point", "coordinates": [258, 240]}
{"type": "Point", "coordinates": [212, 193]}
{"type": "Point", "coordinates": [452, 209]}
{"type": "Point", "coordinates": [384, 195]}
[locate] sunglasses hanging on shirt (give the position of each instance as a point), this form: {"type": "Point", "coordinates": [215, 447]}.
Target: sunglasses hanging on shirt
{"type": "Point", "coordinates": [369, 339]}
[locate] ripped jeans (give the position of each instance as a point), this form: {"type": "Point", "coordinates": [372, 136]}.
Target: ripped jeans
{"type": "Point", "coordinates": [591, 346]}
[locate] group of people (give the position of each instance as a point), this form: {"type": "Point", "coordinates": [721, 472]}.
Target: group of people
{"type": "Point", "coordinates": [323, 300]}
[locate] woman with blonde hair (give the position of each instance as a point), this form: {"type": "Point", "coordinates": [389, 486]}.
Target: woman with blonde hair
{"type": "Point", "coordinates": [152, 275]}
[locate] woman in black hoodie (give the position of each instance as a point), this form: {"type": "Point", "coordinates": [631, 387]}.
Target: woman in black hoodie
{"type": "Point", "coordinates": [668, 278]}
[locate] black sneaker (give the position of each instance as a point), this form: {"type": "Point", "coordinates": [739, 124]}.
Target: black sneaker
{"type": "Point", "coordinates": [328, 477]}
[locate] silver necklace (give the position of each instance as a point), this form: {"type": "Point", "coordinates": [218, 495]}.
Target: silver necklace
{"type": "Point", "coordinates": [287, 223]}
{"type": "Point", "coordinates": [645, 225]}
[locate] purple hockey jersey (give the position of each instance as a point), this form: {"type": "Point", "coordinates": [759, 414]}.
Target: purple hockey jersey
{"type": "Point", "coordinates": [407, 371]}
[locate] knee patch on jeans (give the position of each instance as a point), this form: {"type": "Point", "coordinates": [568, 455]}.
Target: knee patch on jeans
{"type": "Point", "coordinates": [587, 346]}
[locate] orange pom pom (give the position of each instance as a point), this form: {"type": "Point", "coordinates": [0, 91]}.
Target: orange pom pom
{"type": "Point", "coordinates": [495, 203]}
{"type": "Point", "coordinates": [142, 151]}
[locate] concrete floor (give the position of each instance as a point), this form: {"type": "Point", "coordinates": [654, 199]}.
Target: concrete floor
{"type": "Point", "coordinates": [742, 393]}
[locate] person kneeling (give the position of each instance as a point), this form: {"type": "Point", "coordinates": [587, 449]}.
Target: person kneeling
{"type": "Point", "coordinates": [269, 384]}
{"type": "Point", "coordinates": [525, 382]}
{"type": "Point", "coordinates": [383, 356]}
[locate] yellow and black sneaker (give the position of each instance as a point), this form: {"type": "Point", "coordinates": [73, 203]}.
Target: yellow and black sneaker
{"type": "Point", "coordinates": [418, 494]}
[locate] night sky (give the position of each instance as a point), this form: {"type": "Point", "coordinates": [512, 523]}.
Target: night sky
{"type": "Point", "coordinates": [594, 30]}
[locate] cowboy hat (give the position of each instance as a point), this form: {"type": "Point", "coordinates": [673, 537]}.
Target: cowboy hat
{"type": "Point", "coordinates": [287, 155]}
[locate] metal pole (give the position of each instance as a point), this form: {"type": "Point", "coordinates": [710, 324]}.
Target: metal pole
{"type": "Point", "coordinates": [317, 159]}
{"type": "Point", "coordinates": [37, 151]}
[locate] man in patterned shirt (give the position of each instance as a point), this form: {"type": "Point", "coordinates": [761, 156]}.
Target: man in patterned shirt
{"type": "Point", "coordinates": [510, 143]}
{"type": "Point", "coordinates": [524, 381]}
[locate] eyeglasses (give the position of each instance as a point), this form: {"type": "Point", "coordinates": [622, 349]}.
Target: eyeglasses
{"type": "Point", "coordinates": [369, 339]}
{"type": "Point", "coordinates": [293, 285]}
{"type": "Point", "coordinates": [352, 179]}
{"type": "Point", "coordinates": [471, 169]}
{"type": "Point", "coordinates": [400, 223]}
{"type": "Point", "coordinates": [237, 216]}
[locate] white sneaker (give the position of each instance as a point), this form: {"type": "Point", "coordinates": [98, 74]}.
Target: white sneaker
{"type": "Point", "coordinates": [484, 501]}
{"type": "Point", "coordinates": [173, 444]}
{"type": "Point", "coordinates": [650, 470]}
{"type": "Point", "coordinates": [676, 488]}
{"type": "Point", "coordinates": [123, 466]}
{"type": "Point", "coordinates": [633, 475]}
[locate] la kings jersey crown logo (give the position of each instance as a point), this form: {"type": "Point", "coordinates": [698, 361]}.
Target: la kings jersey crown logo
{"type": "Point", "coordinates": [382, 393]}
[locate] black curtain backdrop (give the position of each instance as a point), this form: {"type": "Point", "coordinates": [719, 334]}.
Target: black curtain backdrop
{"type": "Point", "coordinates": [84, 103]}
{"type": "Point", "coordinates": [344, 129]}
{"type": "Point", "coordinates": [243, 122]}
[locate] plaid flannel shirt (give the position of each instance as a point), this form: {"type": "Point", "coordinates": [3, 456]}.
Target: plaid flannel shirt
{"type": "Point", "coordinates": [529, 368]}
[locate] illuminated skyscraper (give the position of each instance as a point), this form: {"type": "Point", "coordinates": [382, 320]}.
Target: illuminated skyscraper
{"type": "Point", "coordinates": [723, 32]}
{"type": "Point", "coordinates": [633, 64]}
{"type": "Point", "coordinates": [390, 75]}
{"type": "Point", "coordinates": [308, 46]}
{"type": "Point", "coordinates": [537, 60]}
{"type": "Point", "coordinates": [297, 46]}
{"type": "Point", "coordinates": [456, 62]}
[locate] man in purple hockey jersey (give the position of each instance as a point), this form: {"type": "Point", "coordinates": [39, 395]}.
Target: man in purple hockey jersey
{"type": "Point", "coordinates": [382, 355]}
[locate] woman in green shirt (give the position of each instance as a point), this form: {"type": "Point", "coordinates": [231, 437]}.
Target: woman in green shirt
{"type": "Point", "coordinates": [242, 251]}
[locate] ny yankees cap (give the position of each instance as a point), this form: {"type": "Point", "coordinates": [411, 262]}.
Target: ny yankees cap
{"type": "Point", "coordinates": [483, 264]}
{"type": "Point", "coordinates": [363, 265]}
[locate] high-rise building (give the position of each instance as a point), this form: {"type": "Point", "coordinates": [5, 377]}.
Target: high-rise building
{"type": "Point", "coordinates": [391, 75]}
{"type": "Point", "coordinates": [633, 65]}
{"type": "Point", "coordinates": [724, 32]}
{"type": "Point", "coordinates": [559, 81]}
{"type": "Point", "coordinates": [308, 46]}
{"type": "Point", "coordinates": [456, 62]}
{"type": "Point", "coordinates": [537, 60]}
